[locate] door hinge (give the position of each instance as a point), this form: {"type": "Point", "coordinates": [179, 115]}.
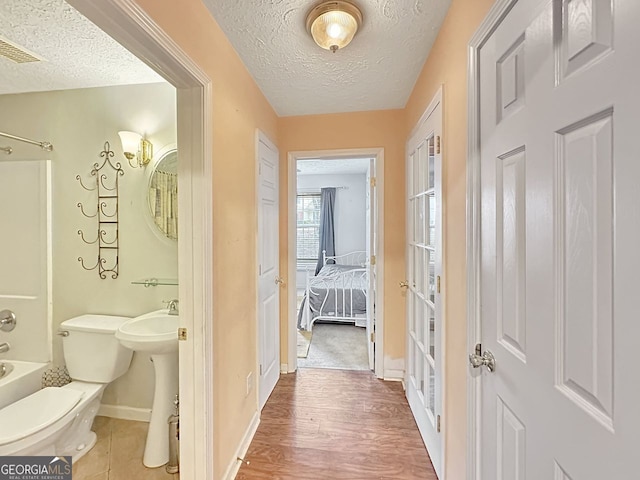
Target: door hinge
{"type": "Point", "coordinates": [182, 334]}
{"type": "Point", "coordinates": [438, 423]}
{"type": "Point", "coordinates": [373, 259]}
{"type": "Point", "coordinates": [438, 283]}
{"type": "Point", "coordinates": [373, 337]}
{"type": "Point", "coordinates": [372, 181]}
{"type": "Point", "coordinates": [438, 144]}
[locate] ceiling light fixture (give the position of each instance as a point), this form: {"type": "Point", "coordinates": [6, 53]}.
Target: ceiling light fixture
{"type": "Point", "coordinates": [334, 24]}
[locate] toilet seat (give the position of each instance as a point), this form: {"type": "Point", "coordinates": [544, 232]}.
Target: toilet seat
{"type": "Point", "coordinates": [36, 412]}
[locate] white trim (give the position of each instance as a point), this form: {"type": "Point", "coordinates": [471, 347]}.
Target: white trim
{"type": "Point", "coordinates": [284, 368]}
{"type": "Point", "coordinates": [393, 375]}
{"type": "Point", "coordinates": [130, 26]}
{"type": "Point", "coordinates": [474, 328]}
{"type": "Point", "coordinates": [232, 469]}
{"type": "Point", "coordinates": [293, 157]}
{"type": "Point", "coordinates": [125, 413]}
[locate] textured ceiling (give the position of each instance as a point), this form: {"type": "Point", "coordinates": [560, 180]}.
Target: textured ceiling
{"type": "Point", "coordinates": [332, 167]}
{"type": "Point", "coordinates": [76, 53]}
{"type": "Point", "coordinates": [376, 71]}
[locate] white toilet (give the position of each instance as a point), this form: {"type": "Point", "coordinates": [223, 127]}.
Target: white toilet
{"type": "Point", "coordinates": [58, 420]}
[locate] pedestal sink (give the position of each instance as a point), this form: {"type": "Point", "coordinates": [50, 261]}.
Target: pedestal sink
{"type": "Point", "coordinates": [156, 333]}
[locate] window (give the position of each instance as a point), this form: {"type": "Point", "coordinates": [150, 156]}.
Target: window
{"type": "Point", "coordinates": [308, 227]}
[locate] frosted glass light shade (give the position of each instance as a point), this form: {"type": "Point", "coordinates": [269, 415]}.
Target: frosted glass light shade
{"type": "Point", "coordinates": [130, 143]}
{"type": "Point", "coordinates": [334, 24]}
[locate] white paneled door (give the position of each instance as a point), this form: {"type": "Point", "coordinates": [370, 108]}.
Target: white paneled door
{"type": "Point", "coordinates": [558, 242]}
{"type": "Point", "coordinates": [424, 267]}
{"type": "Point", "coordinates": [269, 280]}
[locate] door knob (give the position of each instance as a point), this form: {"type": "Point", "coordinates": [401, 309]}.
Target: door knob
{"type": "Point", "coordinates": [404, 284]}
{"type": "Point", "coordinates": [279, 281]}
{"type": "Point", "coordinates": [485, 360]}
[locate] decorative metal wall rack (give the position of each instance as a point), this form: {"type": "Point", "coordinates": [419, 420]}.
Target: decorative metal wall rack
{"type": "Point", "coordinates": [104, 178]}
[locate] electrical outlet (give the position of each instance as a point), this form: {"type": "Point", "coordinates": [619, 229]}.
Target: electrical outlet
{"type": "Point", "coordinates": [249, 382]}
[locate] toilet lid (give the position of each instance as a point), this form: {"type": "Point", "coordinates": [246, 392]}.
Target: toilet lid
{"type": "Point", "coordinates": [35, 412]}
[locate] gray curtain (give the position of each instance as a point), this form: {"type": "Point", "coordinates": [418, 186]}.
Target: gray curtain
{"type": "Point", "coordinates": [327, 237]}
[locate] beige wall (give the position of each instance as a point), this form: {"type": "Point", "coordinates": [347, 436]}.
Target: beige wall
{"type": "Point", "coordinates": [447, 66]}
{"type": "Point", "coordinates": [78, 122]}
{"type": "Point", "coordinates": [238, 109]}
{"type": "Point", "coordinates": [356, 130]}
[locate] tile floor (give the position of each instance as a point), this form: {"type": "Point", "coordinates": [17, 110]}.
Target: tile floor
{"type": "Point", "coordinates": [117, 455]}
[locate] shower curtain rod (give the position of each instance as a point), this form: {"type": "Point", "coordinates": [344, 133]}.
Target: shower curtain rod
{"type": "Point", "coordinates": [43, 145]}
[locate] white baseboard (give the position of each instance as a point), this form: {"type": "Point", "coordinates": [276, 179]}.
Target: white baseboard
{"type": "Point", "coordinates": [393, 375]}
{"type": "Point", "coordinates": [232, 470]}
{"type": "Point", "coordinates": [284, 368]}
{"type": "Point", "coordinates": [125, 413]}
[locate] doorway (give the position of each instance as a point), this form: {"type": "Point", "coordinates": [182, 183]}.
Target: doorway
{"type": "Point", "coordinates": [128, 24]}
{"type": "Point", "coordinates": [336, 264]}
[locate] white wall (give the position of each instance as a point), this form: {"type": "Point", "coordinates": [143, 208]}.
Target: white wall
{"type": "Point", "coordinates": [78, 122]}
{"type": "Point", "coordinates": [350, 210]}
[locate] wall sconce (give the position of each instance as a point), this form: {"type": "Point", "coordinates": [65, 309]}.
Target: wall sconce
{"type": "Point", "coordinates": [135, 146]}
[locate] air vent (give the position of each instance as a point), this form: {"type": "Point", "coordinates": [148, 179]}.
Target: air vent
{"type": "Point", "coordinates": [16, 54]}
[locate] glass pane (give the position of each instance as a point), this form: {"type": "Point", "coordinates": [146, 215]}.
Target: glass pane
{"type": "Point", "coordinates": [419, 359]}
{"type": "Point", "coordinates": [431, 240]}
{"type": "Point", "coordinates": [430, 381]}
{"type": "Point", "coordinates": [432, 276]}
{"type": "Point", "coordinates": [419, 271]}
{"type": "Point", "coordinates": [411, 190]}
{"type": "Point", "coordinates": [432, 162]}
{"type": "Point", "coordinates": [425, 383]}
{"type": "Point", "coordinates": [412, 367]}
{"type": "Point", "coordinates": [411, 307]}
{"type": "Point", "coordinates": [430, 333]}
{"type": "Point", "coordinates": [416, 173]}
{"type": "Point", "coordinates": [420, 220]}
{"type": "Point", "coordinates": [419, 318]}
{"type": "Point", "coordinates": [422, 154]}
{"type": "Point", "coordinates": [411, 214]}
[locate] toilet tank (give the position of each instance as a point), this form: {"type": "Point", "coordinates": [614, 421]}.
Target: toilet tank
{"type": "Point", "coordinates": [91, 351]}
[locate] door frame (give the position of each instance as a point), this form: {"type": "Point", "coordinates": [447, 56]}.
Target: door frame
{"type": "Point", "coordinates": [132, 27]}
{"type": "Point", "coordinates": [293, 157]}
{"type": "Point", "coordinates": [496, 14]}
{"type": "Point", "coordinates": [264, 138]}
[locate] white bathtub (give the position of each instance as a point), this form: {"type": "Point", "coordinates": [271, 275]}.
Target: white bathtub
{"type": "Point", "coordinates": [24, 379]}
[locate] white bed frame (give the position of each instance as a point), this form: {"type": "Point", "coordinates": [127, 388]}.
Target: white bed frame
{"type": "Point", "coordinates": [349, 280]}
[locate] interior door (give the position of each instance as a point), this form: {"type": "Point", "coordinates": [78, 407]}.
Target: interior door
{"type": "Point", "coordinates": [371, 265]}
{"type": "Point", "coordinates": [559, 229]}
{"type": "Point", "coordinates": [424, 267]}
{"type": "Point", "coordinates": [269, 280]}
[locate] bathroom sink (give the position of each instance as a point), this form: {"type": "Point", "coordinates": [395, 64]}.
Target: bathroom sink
{"type": "Point", "coordinates": [156, 334]}
{"type": "Point", "coordinates": [153, 333]}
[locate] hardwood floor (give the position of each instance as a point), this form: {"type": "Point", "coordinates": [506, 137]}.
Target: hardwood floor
{"type": "Point", "coordinates": [336, 424]}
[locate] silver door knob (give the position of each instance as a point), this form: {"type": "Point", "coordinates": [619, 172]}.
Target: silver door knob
{"type": "Point", "coordinates": [485, 360]}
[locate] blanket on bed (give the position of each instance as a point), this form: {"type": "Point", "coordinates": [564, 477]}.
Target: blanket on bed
{"type": "Point", "coordinates": [337, 291]}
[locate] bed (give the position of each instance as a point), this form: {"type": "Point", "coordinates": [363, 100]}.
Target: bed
{"type": "Point", "coordinates": [338, 293]}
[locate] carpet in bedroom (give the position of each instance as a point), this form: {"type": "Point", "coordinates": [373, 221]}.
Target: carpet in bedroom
{"type": "Point", "coordinates": [304, 342]}
{"type": "Point", "coordinates": [337, 346]}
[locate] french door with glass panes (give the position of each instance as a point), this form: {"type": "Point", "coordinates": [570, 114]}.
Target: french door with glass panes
{"type": "Point", "coordinates": [424, 270]}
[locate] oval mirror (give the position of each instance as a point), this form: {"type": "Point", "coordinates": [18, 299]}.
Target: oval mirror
{"type": "Point", "coordinates": [163, 193]}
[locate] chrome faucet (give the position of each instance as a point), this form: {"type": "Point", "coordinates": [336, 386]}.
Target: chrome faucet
{"type": "Point", "coordinates": [4, 347]}
{"type": "Point", "coordinates": [172, 305]}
